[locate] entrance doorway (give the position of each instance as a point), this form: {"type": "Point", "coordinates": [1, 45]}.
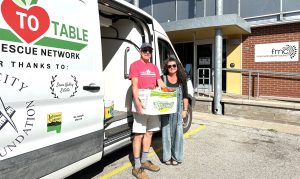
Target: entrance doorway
{"type": "Point", "coordinates": [204, 62]}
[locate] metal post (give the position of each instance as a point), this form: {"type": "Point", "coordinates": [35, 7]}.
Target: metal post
{"type": "Point", "coordinates": [257, 93]}
{"type": "Point", "coordinates": [219, 7]}
{"type": "Point", "coordinates": [176, 10]}
{"type": "Point", "coordinates": [195, 69]}
{"type": "Point", "coordinates": [218, 72]}
{"type": "Point", "coordinates": [239, 7]}
{"type": "Point", "coordinates": [249, 85]}
{"type": "Point", "coordinates": [204, 8]}
{"type": "Point", "coordinates": [218, 62]}
{"type": "Point", "coordinates": [281, 11]}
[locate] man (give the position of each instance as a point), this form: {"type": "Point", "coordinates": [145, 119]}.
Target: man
{"type": "Point", "coordinates": [143, 75]}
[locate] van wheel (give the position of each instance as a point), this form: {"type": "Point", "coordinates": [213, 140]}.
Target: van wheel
{"type": "Point", "coordinates": [187, 121]}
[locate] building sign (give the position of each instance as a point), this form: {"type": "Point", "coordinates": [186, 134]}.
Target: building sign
{"type": "Point", "coordinates": [277, 52]}
{"type": "Point", "coordinates": [204, 60]}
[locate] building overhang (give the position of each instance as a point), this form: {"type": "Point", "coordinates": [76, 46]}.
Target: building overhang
{"type": "Point", "coordinates": [200, 28]}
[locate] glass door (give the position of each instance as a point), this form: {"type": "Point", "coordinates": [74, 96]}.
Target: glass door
{"type": "Point", "coordinates": [204, 66]}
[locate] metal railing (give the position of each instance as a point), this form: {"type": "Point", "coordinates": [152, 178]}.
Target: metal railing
{"type": "Point", "coordinates": [257, 73]}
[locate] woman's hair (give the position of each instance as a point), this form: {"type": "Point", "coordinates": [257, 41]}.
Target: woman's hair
{"type": "Point", "coordinates": [181, 75]}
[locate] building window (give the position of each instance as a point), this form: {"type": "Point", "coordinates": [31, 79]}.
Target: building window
{"type": "Point", "coordinates": [199, 8]}
{"type": "Point", "coordinates": [290, 5]}
{"type": "Point", "coordinates": [230, 6]}
{"type": "Point", "coordinates": [210, 8]}
{"type": "Point", "coordinates": [251, 8]}
{"type": "Point", "coordinates": [146, 6]}
{"type": "Point", "coordinates": [164, 10]}
{"type": "Point", "coordinates": [185, 9]}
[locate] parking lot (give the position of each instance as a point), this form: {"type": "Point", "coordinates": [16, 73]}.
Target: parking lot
{"type": "Point", "coordinates": [215, 150]}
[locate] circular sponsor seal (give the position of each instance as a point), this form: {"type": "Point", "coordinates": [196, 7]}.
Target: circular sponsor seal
{"type": "Point", "coordinates": [17, 115]}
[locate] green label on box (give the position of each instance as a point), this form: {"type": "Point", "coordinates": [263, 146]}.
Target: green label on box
{"type": "Point", "coordinates": [163, 94]}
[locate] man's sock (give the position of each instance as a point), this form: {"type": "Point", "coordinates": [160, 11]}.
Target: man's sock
{"type": "Point", "coordinates": [144, 157]}
{"type": "Point", "coordinates": [137, 162]}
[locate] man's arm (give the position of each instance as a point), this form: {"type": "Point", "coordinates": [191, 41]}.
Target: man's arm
{"type": "Point", "coordinates": [161, 83]}
{"type": "Point", "coordinates": [135, 92]}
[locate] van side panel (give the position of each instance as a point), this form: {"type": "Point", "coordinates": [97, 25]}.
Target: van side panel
{"type": "Point", "coordinates": [44, 161]}
{"type": "Point", "coordinates": [51, 85]}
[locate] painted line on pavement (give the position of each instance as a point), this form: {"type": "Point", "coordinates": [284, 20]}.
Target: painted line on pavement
{"type": "Point", "coordinates": [128, 164]}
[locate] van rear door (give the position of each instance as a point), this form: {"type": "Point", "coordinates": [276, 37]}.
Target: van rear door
{"type": "Point", "coordinates": [51, 92]}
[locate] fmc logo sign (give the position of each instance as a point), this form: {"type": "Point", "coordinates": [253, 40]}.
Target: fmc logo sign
{"type": "Point", "coordinates": [29, 23]}
{"type": "Point", "coordinates": [277, 52]}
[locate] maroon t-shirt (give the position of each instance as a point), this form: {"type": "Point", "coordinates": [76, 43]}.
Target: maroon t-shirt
{"type": "Point", "coordinates": [147, 74]}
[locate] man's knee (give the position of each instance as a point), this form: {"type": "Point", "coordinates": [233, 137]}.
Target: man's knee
{"type": "Point", "coordinates": [138, 137]}
{"type": "Point", "coordinates": [149, 134]}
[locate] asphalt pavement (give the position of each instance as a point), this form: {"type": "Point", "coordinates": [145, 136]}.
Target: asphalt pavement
{"type": "Point", "coordinates": [218, 147]}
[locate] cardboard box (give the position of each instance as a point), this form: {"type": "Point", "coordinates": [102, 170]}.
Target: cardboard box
{"type": "Point", "coordinates": [156, 102]}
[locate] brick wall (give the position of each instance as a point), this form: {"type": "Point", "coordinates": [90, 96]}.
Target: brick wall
{"type": "Point", "coordinates": [271, 85]}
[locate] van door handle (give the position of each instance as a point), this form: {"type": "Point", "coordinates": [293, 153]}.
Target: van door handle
{"type": "Point", "coordinates": [92, 88]}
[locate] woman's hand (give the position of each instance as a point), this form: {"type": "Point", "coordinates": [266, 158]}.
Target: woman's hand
{"type": "Point", "coordinates": [184, 114]}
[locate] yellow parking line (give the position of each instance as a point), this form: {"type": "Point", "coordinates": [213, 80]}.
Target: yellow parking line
{"type": "Point", "coordinates": [128, 164]}
{"type": "Point", "coordinates": [116, 171]}
{"type": "Point", "coordinates": [188, 134]}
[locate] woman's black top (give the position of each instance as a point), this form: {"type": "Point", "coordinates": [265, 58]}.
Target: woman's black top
{"type": "Point", "coordinates": [184, 87]}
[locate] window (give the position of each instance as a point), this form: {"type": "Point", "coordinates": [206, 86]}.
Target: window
{"type": "Point", "coordinates": [291, 5]}
{"type": "Point", "coordinates": [230, 7]}
{"type": "Point", "coordinates": [199, 8]}
{"type": "Point", "coordinates": [146, 6]}
{"type": "Point", "coordinates": [250, 8]}
{"type": "Point", "coordinates": [185, 9]}
{"type": "Point", "coordinates": [165, 51]}
{"type": "Point", "coordinates": [164, 11]}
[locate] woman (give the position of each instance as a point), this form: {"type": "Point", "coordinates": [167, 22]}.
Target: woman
{"type": "Point", "coordinates": [172, 129]}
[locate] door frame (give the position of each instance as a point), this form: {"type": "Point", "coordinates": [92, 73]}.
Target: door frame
{"type": "Point", "coordinates": [203, 42]}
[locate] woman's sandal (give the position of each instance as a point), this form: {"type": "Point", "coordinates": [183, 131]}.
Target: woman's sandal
{"type": "Point", "coordinates": [174, 162]}
{"type": "Point", "coordinates": [168, 162]}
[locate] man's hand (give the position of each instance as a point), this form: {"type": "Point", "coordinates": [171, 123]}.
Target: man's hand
{"type": "Point", "coordinates": [139, 107]}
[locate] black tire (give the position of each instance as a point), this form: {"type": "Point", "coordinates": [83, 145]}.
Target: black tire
{"type": "Point", "coordinates": [187, 121]}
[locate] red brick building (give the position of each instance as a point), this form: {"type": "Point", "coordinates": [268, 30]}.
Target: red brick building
{"type": "Point", "coordinates": [271, 85]}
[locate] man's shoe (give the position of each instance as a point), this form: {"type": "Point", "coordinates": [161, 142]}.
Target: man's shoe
{"type": "Point", "coordinates": [139, 173]}
{"type": "Point", "coordinates": [150, 166]}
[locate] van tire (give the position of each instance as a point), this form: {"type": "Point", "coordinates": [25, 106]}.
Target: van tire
{"type": "Point", "coordinates": [187, 121]}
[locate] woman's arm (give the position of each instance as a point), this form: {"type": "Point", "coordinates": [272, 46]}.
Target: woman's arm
{"type": "Point", "coordinates": [185, 100]}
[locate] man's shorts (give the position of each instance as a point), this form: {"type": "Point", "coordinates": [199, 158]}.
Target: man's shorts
{"type": "Point", "coordinates": [143, 123]}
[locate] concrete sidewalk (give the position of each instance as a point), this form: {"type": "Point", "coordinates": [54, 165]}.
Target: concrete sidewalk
{"type": "Point", "coordinates": [238, 121]}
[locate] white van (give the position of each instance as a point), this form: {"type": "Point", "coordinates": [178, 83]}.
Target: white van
{"type": "Point", "coordinates": [60, 62]}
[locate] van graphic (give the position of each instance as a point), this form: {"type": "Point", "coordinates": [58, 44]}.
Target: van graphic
{"type": "Point", "coordinates": [6, 114]}
{"type": "Point", "coordinates": [29, 23]}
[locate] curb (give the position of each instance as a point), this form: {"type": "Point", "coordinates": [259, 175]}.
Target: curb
{"type": "Point", "coordinates": [238, 121]}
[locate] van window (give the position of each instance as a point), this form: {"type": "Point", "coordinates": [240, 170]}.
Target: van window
{"type": "Point", "coordinates": [165, 51]}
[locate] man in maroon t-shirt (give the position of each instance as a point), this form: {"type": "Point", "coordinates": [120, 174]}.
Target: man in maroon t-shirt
{"type": "Point", "coordinates": [143, 75]}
